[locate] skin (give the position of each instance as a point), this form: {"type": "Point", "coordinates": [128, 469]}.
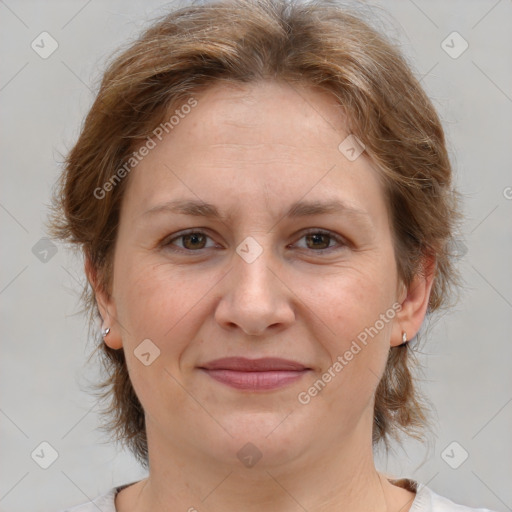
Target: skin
{"type": "Point", "coordinates": [252, 151]}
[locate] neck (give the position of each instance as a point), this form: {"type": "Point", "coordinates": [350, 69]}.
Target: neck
{"type": "Point", "coordinates": [341, 478]}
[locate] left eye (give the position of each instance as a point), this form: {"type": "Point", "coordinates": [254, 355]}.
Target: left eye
{"type": "Point", "coordinates": [320, 240]}
{"type": "Point", "coordinates": [196, 240]}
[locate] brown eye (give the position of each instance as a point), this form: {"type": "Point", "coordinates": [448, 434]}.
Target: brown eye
{"type": "Point", "coordinates": [191, 241]}
{"type": "Point", "coordinates": [194, 241]}
{"type": "Point", "coordinates": [318, 241]}
{"type": "Point", "coordinates": [321, 241]}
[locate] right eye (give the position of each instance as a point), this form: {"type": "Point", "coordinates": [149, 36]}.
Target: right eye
{"type": "Point", "coordinates": [192, 240]}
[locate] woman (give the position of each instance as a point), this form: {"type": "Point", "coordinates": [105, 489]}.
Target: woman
{"type": "Point", "coordinates": [263, 198]}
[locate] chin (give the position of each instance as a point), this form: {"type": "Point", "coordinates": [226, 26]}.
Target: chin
{"type": "Point", "coordinates": [259, 440]}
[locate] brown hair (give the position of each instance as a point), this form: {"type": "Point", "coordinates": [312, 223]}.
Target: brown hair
{"type": "Point", "coordinates": [317, 43]}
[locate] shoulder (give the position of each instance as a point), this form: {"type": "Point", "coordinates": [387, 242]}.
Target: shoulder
{"type": "Point", "coordinates": [429, 501]}
{"type": "Point", "coordinates": [103, 503]}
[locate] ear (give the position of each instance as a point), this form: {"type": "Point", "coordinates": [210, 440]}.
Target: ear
{"type": "Point", "coordinates": [106, 306]}
{"type": "Point", "coordinates": [414, 303]}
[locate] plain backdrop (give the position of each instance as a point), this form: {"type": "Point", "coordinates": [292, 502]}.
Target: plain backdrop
{"type": "Point", "coordinates": [44, 369]}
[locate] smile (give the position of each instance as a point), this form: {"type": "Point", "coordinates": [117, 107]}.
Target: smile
{"type": "Point", "coordinates": [256, 380]}
{"type": "Point", "coordinates": [265, 373]}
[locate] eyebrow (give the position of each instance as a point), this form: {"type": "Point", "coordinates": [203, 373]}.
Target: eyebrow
{"type": "Point", "coordinates": [296, 210]}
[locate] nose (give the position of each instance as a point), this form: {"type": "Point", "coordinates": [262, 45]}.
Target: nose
{"type": "Point", "coordinates": [255, 297]}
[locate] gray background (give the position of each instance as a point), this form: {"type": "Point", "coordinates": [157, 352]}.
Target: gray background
{"type": "Point", "coordinates": [44, 370]}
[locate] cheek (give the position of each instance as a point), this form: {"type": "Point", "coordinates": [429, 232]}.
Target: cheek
{"type": "Point", "coordinates": [160, 303]}
{"type": "Point", "coordinates": [355, 307]}
{"type": "Point", "coordinates": [155, 297]}
{"type": "Point", "coordinates": [354, 299]}
{"type": "Point", "coordinates": [165, 303]}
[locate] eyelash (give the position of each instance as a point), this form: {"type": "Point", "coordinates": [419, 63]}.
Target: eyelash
{"type": "Point", "coordinates": [167, 243]}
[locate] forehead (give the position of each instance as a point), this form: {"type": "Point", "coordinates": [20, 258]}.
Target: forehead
{"type": "Point", "coordinates": [268, 142]}
{"type": "Point", "coordinates": [268, 112]}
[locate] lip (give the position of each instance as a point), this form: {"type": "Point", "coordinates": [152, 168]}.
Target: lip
{"type": "Point", "coordinates": [255, 374]}
{"type": "Point", "coordinates": [264, 364]}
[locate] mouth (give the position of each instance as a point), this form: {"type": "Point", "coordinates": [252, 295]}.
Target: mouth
{"type": "Point", "coordinates": [255, 374]}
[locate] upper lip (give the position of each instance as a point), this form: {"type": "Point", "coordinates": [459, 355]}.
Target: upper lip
{"type": "Point", "coordinates": [243, 364]}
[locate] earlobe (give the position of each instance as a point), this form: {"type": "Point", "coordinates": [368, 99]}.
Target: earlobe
{"type": "Point", "coordinates": [109, 331]}
{"type": "Point", "coordinates": [414, 304]}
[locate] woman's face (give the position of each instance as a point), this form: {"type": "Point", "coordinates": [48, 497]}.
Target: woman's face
{"type": "Point", "coordinates": [292, 259]}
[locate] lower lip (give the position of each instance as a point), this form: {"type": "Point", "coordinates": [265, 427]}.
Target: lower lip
{"type": "Point", "coordinates": [255, 381]}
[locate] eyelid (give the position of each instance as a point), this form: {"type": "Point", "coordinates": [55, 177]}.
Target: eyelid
{"type": "Point", "coordinates": [166, 242]}
{"type": "Point", "coordinates": [341, 241]}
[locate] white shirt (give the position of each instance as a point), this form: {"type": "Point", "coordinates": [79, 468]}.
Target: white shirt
{"type": "Point", "coordinates": [426, 500]}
